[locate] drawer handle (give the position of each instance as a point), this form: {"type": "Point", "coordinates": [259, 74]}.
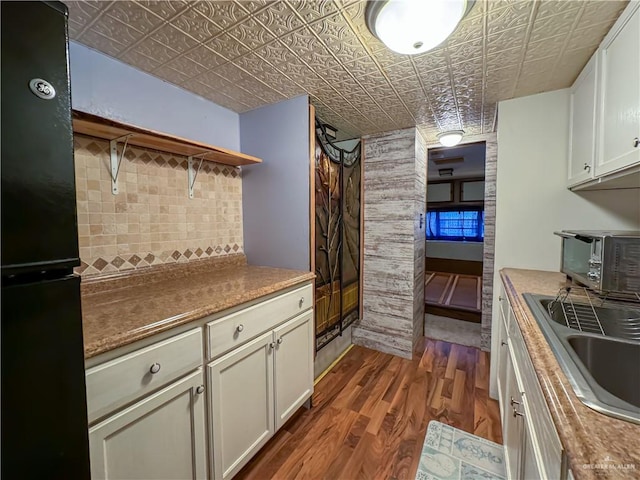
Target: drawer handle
{"type": "Point", "coordinates": [587, 167]}
{"type": "Point", "coordinates": [300, 302]}
{"type": "Point", "coordinates": [240, 328]}
{"type": "Point", "coordinates": [200, 389]}
{"type": "Point", "coordinates": [513, 402]}
{"type": "Point", "coordinates": [279, 340]}
{"type": "Point", "coordinates": [155, 368]}
{"type": "Point", "coordinates": [517, 413]}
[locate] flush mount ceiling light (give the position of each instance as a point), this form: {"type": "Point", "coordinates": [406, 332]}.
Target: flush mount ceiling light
{"type": "Point", "coordinates": [414, 26]}
{"type": "Point", "coordinates": [450, 138]}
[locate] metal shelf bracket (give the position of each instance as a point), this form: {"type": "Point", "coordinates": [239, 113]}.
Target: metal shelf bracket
{"type": "Point", "coordinates": [193, 172]}
{"type": "Point", "coordinates": [116, 160]}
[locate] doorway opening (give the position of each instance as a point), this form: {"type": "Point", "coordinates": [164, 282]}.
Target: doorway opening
{"type": "Point", "coordinates": [455, 234]}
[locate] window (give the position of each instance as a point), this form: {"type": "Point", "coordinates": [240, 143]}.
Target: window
{"type": "Point", "coordinates": [463, 224]}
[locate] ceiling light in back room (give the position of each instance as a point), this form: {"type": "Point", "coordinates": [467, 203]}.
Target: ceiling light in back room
{"type": "Point", "coordinates": [414, 26]}
{"type": "Point", "coordinates": [450, 138]}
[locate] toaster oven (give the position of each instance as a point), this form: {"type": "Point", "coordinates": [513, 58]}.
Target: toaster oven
{"type": "Point", "coordinates": [604, 261]}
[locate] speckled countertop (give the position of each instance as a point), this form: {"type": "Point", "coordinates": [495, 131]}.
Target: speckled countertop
{"type": "Point", "coordinates": [120, 311]}
{"type": "Point", "coordinates": [598, 446]}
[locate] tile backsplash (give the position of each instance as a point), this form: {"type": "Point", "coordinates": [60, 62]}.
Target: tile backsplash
{"type": "Point", "coordinates": [152, 220]}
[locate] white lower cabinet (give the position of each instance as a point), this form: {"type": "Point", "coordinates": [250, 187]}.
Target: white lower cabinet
{"type": "Point", "coordinates": [532, 446]}
{"type": "Point", "coordinates": [512, 425]}
{"type": "Point", "coordinates": [153, 415]}
{"type": "Point", "coordinates": [255, 389]}
{"type": "Point", "coordinates": [242, 414]}
{"type": "Point", "coordinates": [159, 437]}
{"type": "Point", "coordinates": [293, 366]}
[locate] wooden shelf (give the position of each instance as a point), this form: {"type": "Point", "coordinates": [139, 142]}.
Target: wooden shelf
{"type": "Point", "coordinates": [95, 126]}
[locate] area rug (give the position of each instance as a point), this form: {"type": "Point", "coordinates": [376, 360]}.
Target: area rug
{"type": "Point", "coordinates": [451, 454]}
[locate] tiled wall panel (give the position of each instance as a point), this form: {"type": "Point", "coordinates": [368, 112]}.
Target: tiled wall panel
{"type": "Point", "coordinates": [152, 220]}
{"type": "Point", "coordinates": [393, 309]}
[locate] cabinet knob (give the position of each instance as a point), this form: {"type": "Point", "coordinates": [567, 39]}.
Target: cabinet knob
{"type": "Point", "coordinates": [503, 343]}
{"type": "Point", "coordinates": [155, 368]}
{"type": "Point", "coordinates": [500, 298]}
{"type": "Point", "coordinates": [272, 345]}
{"type": "Point", "coordinates": [200, 389]}
{"type": "Point", "coordinates": [587, 167]}
{"type": "Point", "coordinates": [279, 340]}
{"type": "Point", "coordinates": [636, 142]}
{"type": "Point", "coordinates": [301, 302]}
{"type": "Point", "coordinates": [240, 328]}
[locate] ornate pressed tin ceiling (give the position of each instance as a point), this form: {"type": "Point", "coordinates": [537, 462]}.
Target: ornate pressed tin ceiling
{"type": "Point", "coordinates": [245, 54]}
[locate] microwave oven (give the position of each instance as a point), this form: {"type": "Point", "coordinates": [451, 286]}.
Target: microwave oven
{"type": "Point", "coordinates": [604, 261]}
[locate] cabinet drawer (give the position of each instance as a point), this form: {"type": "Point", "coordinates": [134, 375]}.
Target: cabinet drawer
{"type": "Point", "coordinates": [124, 379]}
{"type": "Point", "coordinates": [233, 330]}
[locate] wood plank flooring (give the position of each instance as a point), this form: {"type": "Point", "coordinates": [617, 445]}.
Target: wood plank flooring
{"type": "Point", "coordinates": [370, 415]}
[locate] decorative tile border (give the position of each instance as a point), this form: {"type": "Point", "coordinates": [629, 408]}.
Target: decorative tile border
{"type": "Point", "coordinates": [152, 221]}
{"type": "Point", "coordinates": [139, 261]}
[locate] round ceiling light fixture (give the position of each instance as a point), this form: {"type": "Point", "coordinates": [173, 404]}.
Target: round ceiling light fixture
{"type": "Point", "coordinates": [414, 26]}
{"type": "Point", "coordinates": [450, 138]}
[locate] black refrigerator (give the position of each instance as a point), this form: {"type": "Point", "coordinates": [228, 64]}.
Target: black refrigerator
{"type": "Point", "coordinates": [44, 413]}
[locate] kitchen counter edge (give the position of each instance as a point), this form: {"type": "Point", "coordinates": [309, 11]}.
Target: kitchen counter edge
{"type": "Point", "coordinates": [161, 323]}
{"type": "Point", "coordinates": [596, 445]}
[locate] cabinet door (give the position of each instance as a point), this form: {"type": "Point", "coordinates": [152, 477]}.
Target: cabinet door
{"type": "Point", "coordinates": [529, 467]}
{"type": "Point", "coordinates": [582, 126]}
{"type": "Point", "coordinates": [620, 94]}
{"type": "Point", "coordinates": [294, 366]}
{"type": "Point", "coordinates": [160, 437]}
{"type": "Point", "coordinates": [242, 411]}
{"type": "Point", "coordinates": [512, 427]}
{"type": "Point", "coordinates": [503, 353]}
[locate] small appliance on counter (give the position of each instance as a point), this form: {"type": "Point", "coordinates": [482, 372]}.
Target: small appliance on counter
{"type": "Point", "coordinates": [607, 262]}
{"type": "Point", "coordinates": [44, 411]}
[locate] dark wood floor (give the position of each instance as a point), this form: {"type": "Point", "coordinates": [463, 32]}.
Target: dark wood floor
{"type": "Point", "coordinates": [371, 412]}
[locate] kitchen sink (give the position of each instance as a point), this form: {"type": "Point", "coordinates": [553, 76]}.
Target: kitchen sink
{"type": "Point", "coordinates": [597, 347]}
{"type": "Point", "coordinates": [599, 354]}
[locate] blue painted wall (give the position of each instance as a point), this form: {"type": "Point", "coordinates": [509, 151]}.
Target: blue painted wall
{"type": "Point", "coordinates": [109, 88]}
{"type": "Point", "coordinates": [276, 192]}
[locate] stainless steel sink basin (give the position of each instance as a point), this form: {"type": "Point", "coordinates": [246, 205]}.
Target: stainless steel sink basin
{"type": "Point", "coordinates": [598, 348]}
{"type": "Point", "coordinates": [598, 354]}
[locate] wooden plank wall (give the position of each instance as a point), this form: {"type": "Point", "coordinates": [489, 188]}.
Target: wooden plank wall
{"type": "Point", "coordinates": [390, 223]}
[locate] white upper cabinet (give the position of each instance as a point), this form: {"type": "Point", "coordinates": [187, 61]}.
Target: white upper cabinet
{"type": "Point", "coordinates": [582, 126]}
{"type": "Point", "coordinates": [604, 129]}
{"type": "Point", "coordinates": [620, 94]}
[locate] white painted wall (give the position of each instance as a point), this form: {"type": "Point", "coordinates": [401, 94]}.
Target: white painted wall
{"type": "Point", "coordinates": [532, 200]}
{"type": "Point", "coordinates": [471, 251]}
{"type": "Point", "coordinates": [275, 193]}
{"type": "Point", "coordinates": [104, 86]}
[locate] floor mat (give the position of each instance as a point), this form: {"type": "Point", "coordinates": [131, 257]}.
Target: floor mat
{"type": "Point", "coordinates": [451, 454]}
